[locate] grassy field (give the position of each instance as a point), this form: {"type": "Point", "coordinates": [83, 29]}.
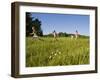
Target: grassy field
{"type": "Point", "coordinates": [49, 52]}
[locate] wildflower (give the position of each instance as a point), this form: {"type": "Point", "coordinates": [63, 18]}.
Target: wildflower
{"type": "Point", "coordinates": [59, 52]}
{"type": "Point", "coordinates": [52, 53]}
{"type": "Point", "coordinates": [55, 54]}
{"type": "Point", "coordinates": [50, 57]}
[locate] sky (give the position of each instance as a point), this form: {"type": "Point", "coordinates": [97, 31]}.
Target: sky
{"type": "Point", "coordinates": [68, 23]}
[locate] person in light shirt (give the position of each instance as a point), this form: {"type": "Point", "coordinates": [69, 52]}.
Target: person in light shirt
{"type": "Point", "coordinates": [34, 32]}
{"type": "Point", "coordinates": [76, 34]}
{"type": "Point", "coordinates": [55, 35]}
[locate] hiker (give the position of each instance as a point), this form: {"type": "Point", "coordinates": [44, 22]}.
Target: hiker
{"type": "Point", "coordinates": [34, 33]}
{"type": "Point", "coordinates": [72, 36]}
{"type": "Point", "coordinates": [55, 34]}
{"type": "Point", "coordinates": [76, 34]}
{"type": "Point", "coordinates": [35, 36]}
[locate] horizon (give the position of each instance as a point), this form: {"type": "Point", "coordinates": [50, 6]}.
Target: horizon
{"type": "Point", "coordinates": [68, 34]}
{"type": "Point", "coordinates": [66, 23]}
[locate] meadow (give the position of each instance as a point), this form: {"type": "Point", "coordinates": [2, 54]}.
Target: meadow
{"type": "Point", "coordinates": [47, 51]}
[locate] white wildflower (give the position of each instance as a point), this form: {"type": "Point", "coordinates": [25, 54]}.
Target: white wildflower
{"type": "Point", "coordinates": [59, 52]}
{"type": "Point", "coordinates": [52, 53]}
{"type": "Point", "coordinates": [50, 57]}
{"type": "Point", "coordinates": [55, 54]}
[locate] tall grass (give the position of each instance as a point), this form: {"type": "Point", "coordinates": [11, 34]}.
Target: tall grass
{"type": "Point", "coordinates": [50, 52]}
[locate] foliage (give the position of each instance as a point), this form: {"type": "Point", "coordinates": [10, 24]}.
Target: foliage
{"type": "Point", "coordinates": [48, 35]}
{"type": "Point", "coordinates": [30, 22]}
{"type": "Point", "coordinates": [37, 25]}
{"type": "Point", "coordinates": [61, 34]}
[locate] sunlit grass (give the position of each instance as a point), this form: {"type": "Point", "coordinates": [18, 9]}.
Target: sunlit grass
{"type": "Point", "coordinates": [50, 52]}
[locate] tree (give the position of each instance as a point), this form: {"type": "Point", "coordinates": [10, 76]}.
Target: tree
{"type": "Point", "coordinates": [37, 25]}
{"type": "Point", "coordinates": [28, 23]}
{"type": "Point", "coordinates": [61, 34]}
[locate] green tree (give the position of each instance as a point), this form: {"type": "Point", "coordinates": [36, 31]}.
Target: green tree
{"type": "Point", "coordinates": [61, 34]}
{"type": "Point", "coordinates": [37, 25]}
{"type": "Point", "coordinates": [28, 23]}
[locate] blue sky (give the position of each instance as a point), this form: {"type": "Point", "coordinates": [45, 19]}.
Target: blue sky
{"type": "Point", "coordinates": [68, 23]}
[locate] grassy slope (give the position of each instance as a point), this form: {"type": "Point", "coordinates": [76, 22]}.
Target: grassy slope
{"type": "Point", "coordinates": [49, 52]}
